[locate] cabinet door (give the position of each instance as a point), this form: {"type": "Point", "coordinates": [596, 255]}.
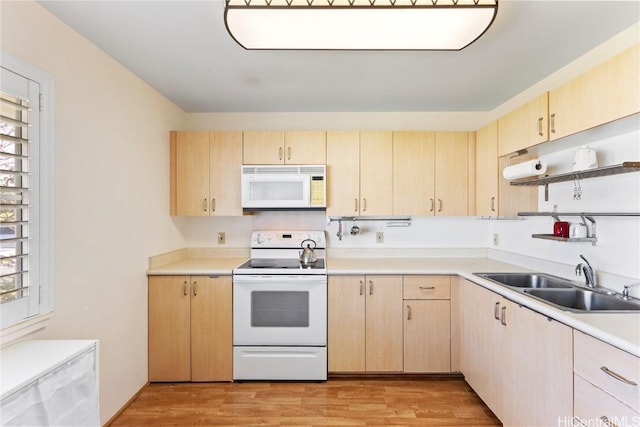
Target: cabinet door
{"type": "Point", "coordinates": [384, 323]}
{"type": "Point", "coordinates": [514, 199]}
{"type": "Point", "coordinates": [343, 173]}
{"type": "Point", "coordinates": [263, 148]}
{"type": "Point", "coordinates": [346, 324]}
{"type": "Point", "coordinates": [452, 173]}
{"type": "Point", "coordinates": [413, 173]}
{"type": "Point", "coordinates": [191, 173]}
{"type": "Point", "coordinates": [536, 365]}
{"type": "Point", "coordinates": [487, 170]}
{"type": "Point", "coordinates": [480, 343]}
{"type": "Point", "coordinates": [224, 174]}
{"type": "Point", "coordinates": [427, 337]}
{"type": "Point", "coordinates": [211, 337]}
{"type": "Point", "coordinates": [607, 92]}
{"type": "Point", "coordinates": [169, 337]}
{"type": "Point", "coordinates": [376, 173]}
{"type": "Point", "coordinates": [305, 147]}
{"type": "Point", "coordinates": [524, 127]}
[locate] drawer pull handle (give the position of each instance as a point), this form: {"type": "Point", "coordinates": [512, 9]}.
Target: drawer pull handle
{"type": "Point", "coordinates": [617, 376]}
{"type": "Point", "coordinates": [427, 288]}
{"type": "Point", "coordinates": [496, 311]}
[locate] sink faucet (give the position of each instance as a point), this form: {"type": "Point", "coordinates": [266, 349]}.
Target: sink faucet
{"type": "Point", "coordinates": [625, 291]}
{"type": "Point", "coordinates": [589, 274]}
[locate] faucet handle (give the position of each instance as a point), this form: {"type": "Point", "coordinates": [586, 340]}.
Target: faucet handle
{"type": "Point", "coordinates": [625, 291]}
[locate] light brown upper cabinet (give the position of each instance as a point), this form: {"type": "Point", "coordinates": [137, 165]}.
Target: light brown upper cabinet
{"type": "Point", "coordinates": [205, 173]}
{"type": "Point", "coordinates": [376, 172]}
{"type": "Point", "coordinates": [452, 172]}
{"type": "Point", "coordinates": [605, 93]}
{"type": "Point", "coordinates": [494, 194]}
{"type": "Point", "coordinates": [487, 172]}
{"type": "Point", "coordinates": [431, 173]}
{"type": "Point", "coordinates": [359, 170]}
{"type": "Point", "coordinates": [290, 147]}
{"type": "Point", "coordinates": [525, 126]}
{"type": "Point", "coordinates": [413, 173]}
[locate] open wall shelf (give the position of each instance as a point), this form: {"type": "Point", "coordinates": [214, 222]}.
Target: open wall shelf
{"type": "Point", "coordinates": [624, 167]}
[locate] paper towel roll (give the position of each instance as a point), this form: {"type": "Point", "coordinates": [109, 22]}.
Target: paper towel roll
{"type": "Point", "coordinates": [525, 169]}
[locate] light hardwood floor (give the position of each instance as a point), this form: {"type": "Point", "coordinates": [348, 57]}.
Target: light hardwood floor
{"type": "Point", "coordinates": [346, 402]}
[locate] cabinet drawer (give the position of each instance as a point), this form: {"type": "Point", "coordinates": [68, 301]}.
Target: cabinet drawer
{"type": "Point", "coordinates": [613, 370]}
{"type": "Point", "coordinates": [594, 407]}
{"type": "Point", "coordinates": [427, 287]}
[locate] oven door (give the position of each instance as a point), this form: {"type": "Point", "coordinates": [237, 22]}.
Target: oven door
{"type": "Point", "coordinates": [280, 310]}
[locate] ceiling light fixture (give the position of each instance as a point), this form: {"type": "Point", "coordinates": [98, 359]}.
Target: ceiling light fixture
{"type": "Point", "coordinates": [358, 24]}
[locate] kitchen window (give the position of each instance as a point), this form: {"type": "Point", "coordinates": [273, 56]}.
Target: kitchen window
{"type": "Point", "coordinates": [26, 202]}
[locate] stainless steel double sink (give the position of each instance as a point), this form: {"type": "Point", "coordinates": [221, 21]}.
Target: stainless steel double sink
{"type": "Point", "coordinates": [562, 293]}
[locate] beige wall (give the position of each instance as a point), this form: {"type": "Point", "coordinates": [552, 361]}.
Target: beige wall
{"type": "Point", "coordinates": [111, 198]}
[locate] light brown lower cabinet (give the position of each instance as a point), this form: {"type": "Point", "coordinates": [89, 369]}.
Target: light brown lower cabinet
{"type": "Point", "coordinates": [427, 324]}
{"type": "Point", "coordinates": [606, 379]}
{"type": "Point", "coordinates": [518, 361]}
{"type": "Point", "coordinates": [365, 324]}
{"type": "Point", "coordinates": [190, 335]}
{"type": "Point", "coordinates": [389, 324]}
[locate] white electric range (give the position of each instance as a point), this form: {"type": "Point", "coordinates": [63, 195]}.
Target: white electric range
{"type": "Point", "coordinates": [280, 309]}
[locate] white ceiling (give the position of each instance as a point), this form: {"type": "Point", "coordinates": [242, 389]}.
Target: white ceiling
{"type": "Point", "coordinates": [182, 49]}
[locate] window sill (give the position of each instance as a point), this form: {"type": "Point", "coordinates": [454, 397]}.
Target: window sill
{"type": "Point", "coordinates": [13, 333]}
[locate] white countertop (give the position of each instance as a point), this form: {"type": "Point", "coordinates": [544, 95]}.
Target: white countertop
{"type": "Point", "coordinates": [619, 329]}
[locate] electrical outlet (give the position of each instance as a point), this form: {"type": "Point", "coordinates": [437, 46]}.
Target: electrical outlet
{"type": "Point", "coordinates": [222, 238]}
{"type": "Point", "coordinates": [496, 240]}
{"type": "Point", "coordinates": [379, 237]}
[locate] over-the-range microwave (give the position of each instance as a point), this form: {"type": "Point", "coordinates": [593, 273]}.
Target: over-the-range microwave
{"type": "Point", "coordinates": [284, 187]}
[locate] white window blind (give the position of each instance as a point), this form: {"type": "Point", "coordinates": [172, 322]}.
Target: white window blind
{"type": "Point", "coordinates": [19, 201]}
